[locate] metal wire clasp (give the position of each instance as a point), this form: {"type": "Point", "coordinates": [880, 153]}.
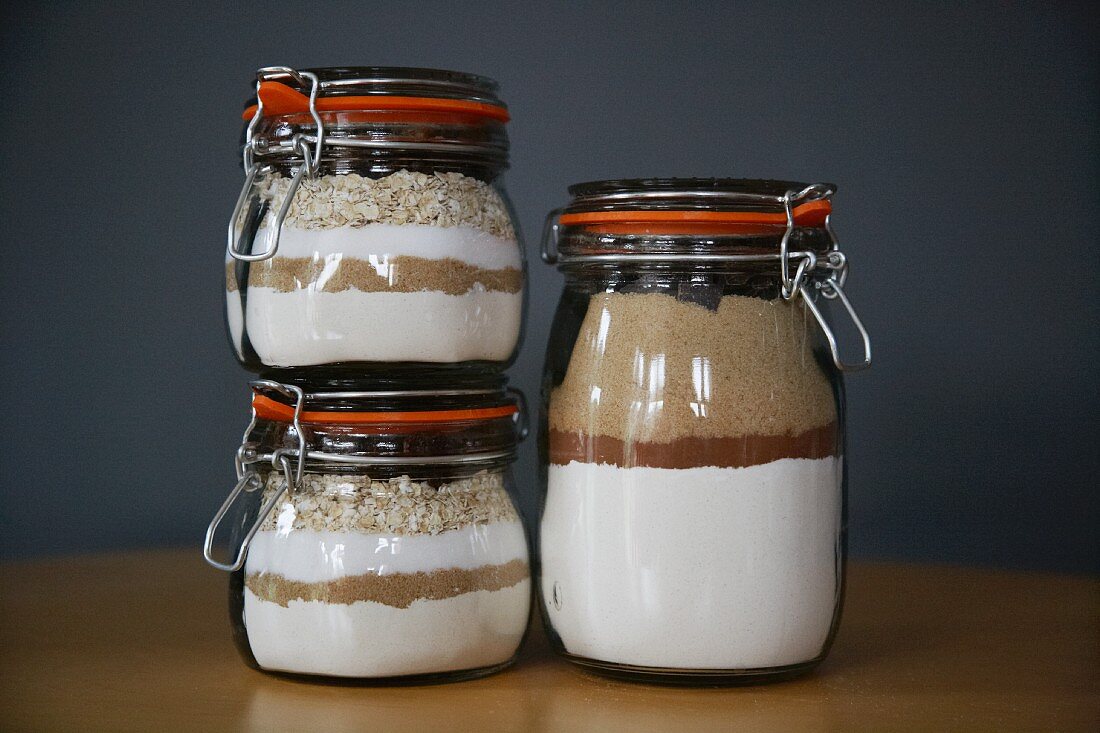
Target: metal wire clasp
{"type": "Point", "coordinates": [829, 288]}
{"type": "Point", "coordinates": [522, 417]}
{"type": "Point", "coordinates": [551, 228]}
{"type": "Point", "coordinates": [241, 234]}
{"type": "Point", "coordinates": [249, 481]}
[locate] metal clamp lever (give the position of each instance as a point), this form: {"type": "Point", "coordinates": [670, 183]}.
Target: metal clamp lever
{"type": "Point", "coordinates": [249, 481]}
{"type": "Point", "coordinates": [310, 161]}
{"type": "Point", "coordinates": [791, 285]}
{"type": "Point", "coordinates": [239, 245]}
{"type": "Point", "coordinates": [831, 289]}
{"type": "Point", "coordinates": [522, 417]}
{"type": "Point", "coordinates": [299, 397]}
{"type": "Point", "coordinates": [549, 241]}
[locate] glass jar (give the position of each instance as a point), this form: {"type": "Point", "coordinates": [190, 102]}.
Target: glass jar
{"type": "Point", "coordinates": [372, 232]}
{"type": "Point", "coordinates": [692, 430]}
{"type": "Point", "coordinates": [373, 536]}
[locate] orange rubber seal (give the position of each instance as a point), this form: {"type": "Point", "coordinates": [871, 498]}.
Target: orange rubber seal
{"type": "Point", "coordinates": [694, 221]}
{"type": "Point", "coordinates": [279, 99]}
{"type": "Point", "coordinates": [269, 409]}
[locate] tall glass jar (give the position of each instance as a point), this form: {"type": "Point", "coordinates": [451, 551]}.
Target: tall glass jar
{"type": "Point", "coordinates": [692, 434]}
{"type": "Point", "coordinates": [372, 234]}
{"type": "Point", "coordinates": [373, 537]}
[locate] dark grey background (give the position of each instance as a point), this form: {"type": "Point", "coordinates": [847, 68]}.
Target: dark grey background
{"type": "Point", "coordinates": [963, 137]}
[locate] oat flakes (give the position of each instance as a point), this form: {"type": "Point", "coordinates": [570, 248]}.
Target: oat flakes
{"type": "Point", "coordinates": [404, 197]}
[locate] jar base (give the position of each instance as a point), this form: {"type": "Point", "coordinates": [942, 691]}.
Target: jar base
{"type": "Point", "coordinates": [692, 677]}
{"type": "Point", "coordinates": [429, 678]}
{"type": "Point", "coordinates": [383, 376]}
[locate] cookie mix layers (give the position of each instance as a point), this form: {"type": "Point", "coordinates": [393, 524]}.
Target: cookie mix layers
{"type": "Point", "coordinates": [408, 267]}
{"type": "Point", "coordinates": [694, 503]}
{"type": "Point", "coordinates": [357, 578]}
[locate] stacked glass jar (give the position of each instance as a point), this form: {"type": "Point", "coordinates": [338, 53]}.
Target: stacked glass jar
{"type": "Point", "coordinates": [375, 281]}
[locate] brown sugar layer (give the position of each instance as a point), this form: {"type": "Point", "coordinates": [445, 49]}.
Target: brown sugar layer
{"type": "Point", "coordinates": [401, 274]}
{"type": "Point", "coordinates": [397, 589]}
{"type": "Point", "coordinates": [649, 368]}
{"type": "Point", "coordinates": [729, 452]}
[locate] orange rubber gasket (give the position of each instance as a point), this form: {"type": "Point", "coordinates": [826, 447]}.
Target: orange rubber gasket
{"type": "Point", "coordinates": [279, 99]}
{"type": "Point", "coordinates": [694, 221]}
{"type": "Point", "coordinates": [269, 409]}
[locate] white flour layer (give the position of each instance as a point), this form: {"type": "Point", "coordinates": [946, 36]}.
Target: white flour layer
{"type": "Point", "coordinates": [472, 246]}
{"type": "Point", "coordinates": [306, 327]}
{"type": "Point", "coordinates": [310, 556]}
{"type": "Point", "coordinates": [696, 568]}
{"type": "Point", "coordinates": [368, 639]}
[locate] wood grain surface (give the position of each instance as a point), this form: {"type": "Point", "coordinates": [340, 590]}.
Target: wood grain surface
{"type": "Point", "coordinates": [141, 642]}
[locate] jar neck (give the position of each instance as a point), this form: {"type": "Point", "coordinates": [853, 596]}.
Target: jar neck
{"type": "Point", "coordinates": [373, 377]}
{"type": "Point", "coordinates": [377, 146]}
{"type": "Point", "coordinates": [698, 284]}
{"type": "Point", "coordinates": [742, 265]}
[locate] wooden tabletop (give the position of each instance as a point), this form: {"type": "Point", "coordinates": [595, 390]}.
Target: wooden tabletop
{"type": "Point", "coordinates": [141, 642]}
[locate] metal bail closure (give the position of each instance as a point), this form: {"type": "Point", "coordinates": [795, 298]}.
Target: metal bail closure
{"type": "Point", "coordinates": [807, 260]}
{"type": "Point", "coordinates": [249, 483]}
{"type": "Point", "coordinates": [831, 289]}
{"type": "Point", "coordinates": [522, 417]}
{"type": "Point", "coordinates": [550, 232]}
{"type": "Point", "coordinates": [249, 480]}
{"type": "Point", "coordinates": [242, 234]}
{"type": "Point", "coordinates": [279, 457]}
{"type": "Point", "coordinates": [256, 200]}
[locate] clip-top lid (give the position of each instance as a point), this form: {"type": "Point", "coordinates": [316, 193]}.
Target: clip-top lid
{"type": "Point", "coordinates": [433, 94]}
{"type": "Point", "coordinates": [691, 222]}
{"type": "Point", "coordinates": [695, 206]}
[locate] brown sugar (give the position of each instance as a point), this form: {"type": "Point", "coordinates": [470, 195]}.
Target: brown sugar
{"type": "Point", "coordinates": [396, 589]}
{"type": "Point", "coordinates": [729, 452]}
{"type": "Point", "coordinates": [401, 274]}
{"type": "Point", "coordinates": [648, 368]}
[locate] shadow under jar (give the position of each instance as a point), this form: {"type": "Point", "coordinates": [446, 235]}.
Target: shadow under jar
{"type": "Point", "coordinates": [392, 552]}
{"type": "Point", "coordinates": [692, 435]}
{"type": "Point", "coordinates": [373, 235]}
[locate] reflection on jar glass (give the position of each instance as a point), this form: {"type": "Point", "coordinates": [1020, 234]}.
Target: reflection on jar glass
{"type": "Point", "coordinates": [395, 246]}
{"type": "Point", "coordinates": [693, 522]}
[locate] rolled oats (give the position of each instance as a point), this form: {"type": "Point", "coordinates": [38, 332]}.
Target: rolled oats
{"type": "Point", "coordinates": [401, 506]}
{"type": "Point", "coordinates": [405, 197]}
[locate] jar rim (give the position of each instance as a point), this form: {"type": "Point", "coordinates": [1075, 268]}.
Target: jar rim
{"type": "Point", "coordinates": [385, 89]}
{"type": "Point", "coordinates": [648, 208]}
{"type": "Point", "coordinates": [444, 83]}
{"type": "Point", "coordinates": [386, 409]}
{"type": "Point", "coordinates": [270, 409]}
{"type": "Point", "coordinates": [771, 186]}
{"type": "Point", "coordinates": [716, 194]}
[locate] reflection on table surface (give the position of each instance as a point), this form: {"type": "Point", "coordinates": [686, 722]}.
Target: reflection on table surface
{"type": "Point", "coordinates": [538, 694]}
{"type": "Point", "coordinates": [140, 641]}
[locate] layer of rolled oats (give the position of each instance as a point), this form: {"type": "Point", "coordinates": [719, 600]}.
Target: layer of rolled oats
{"type": "Point", "coordinates": [405, 197]}
{"type": "Point", "coordinates": [400, 505]}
